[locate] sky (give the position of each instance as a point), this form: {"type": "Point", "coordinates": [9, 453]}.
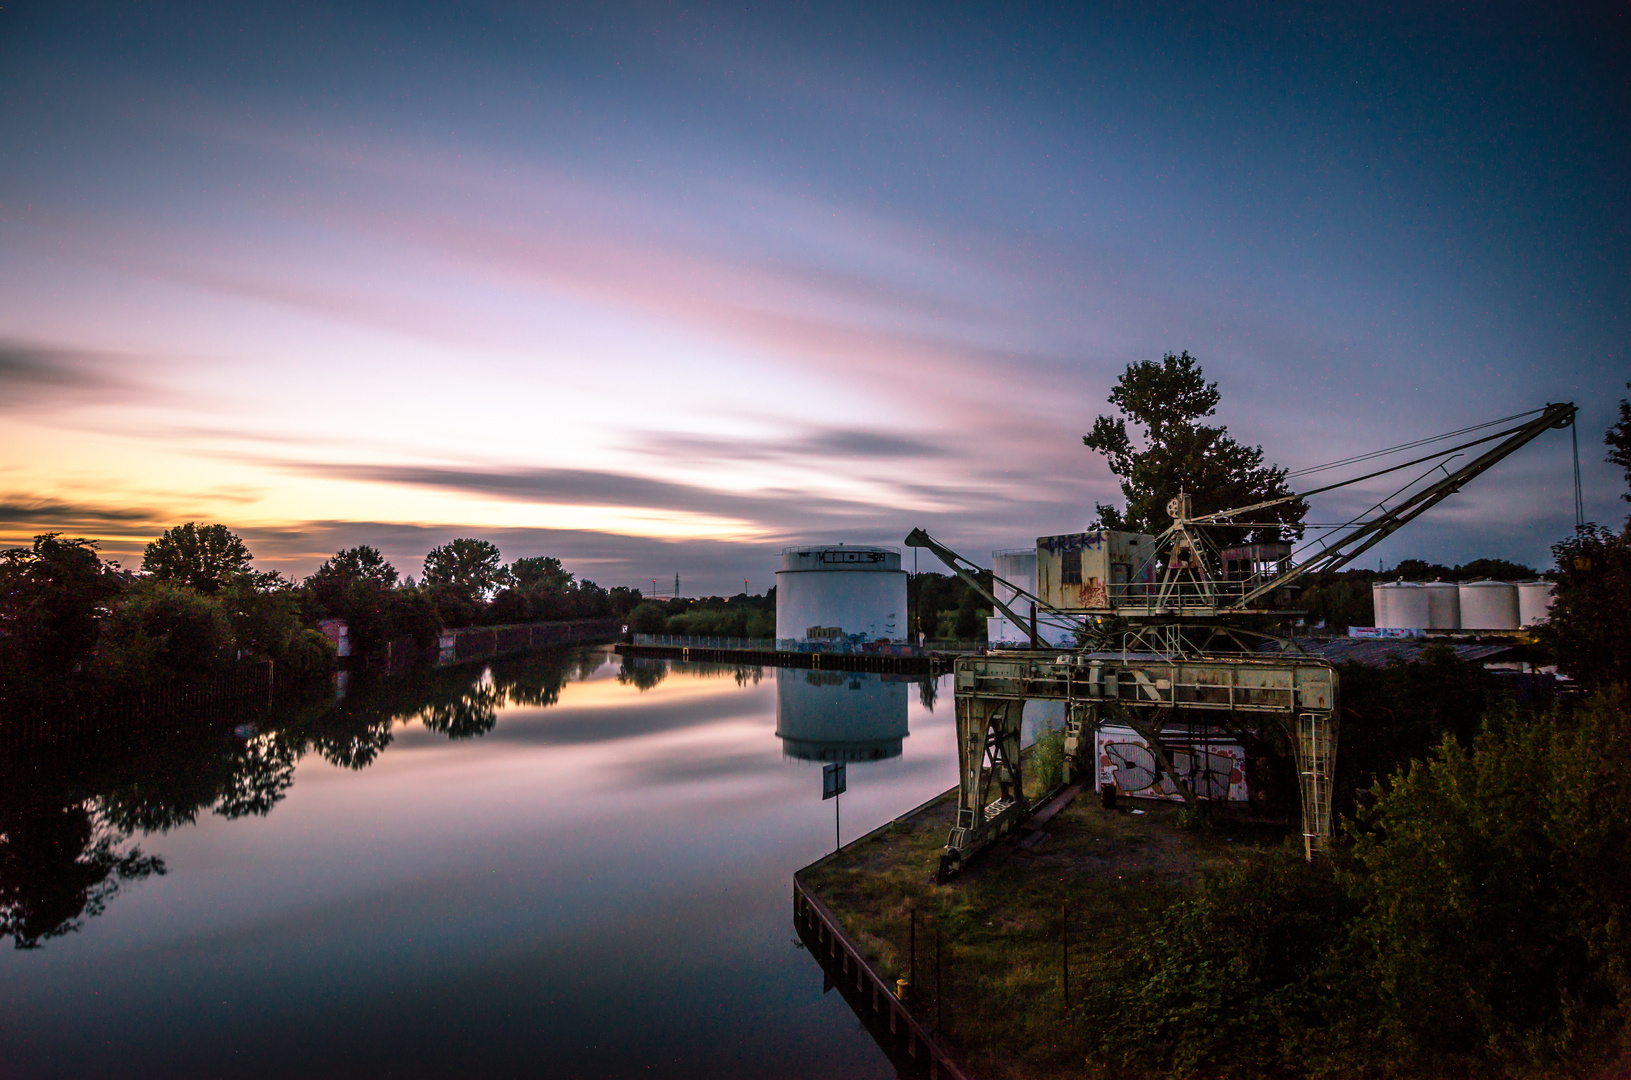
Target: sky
{"type": "Point", "coordinates": [661, 289]}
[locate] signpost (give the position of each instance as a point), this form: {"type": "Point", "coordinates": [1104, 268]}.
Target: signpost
{"type": "Point", "coordinates": [833, 784]}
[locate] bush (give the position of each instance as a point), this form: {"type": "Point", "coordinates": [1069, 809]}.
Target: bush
{"type": "Point", "coordinates": [649, 618]}
{"type": "Point", "coordinates": [160, 629]}
{"type": "Point", "coordinates": [1478, 925]}
{"type": "Point", "coordinates": [309, 653]}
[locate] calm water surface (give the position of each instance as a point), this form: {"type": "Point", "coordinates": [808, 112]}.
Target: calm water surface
{"type": "Point", "coordinates": [563, 865]}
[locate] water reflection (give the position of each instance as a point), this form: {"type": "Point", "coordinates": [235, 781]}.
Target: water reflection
{"type": "Point", "coordinates": [66, 824]}
{"type": "Point", "coordinates": [840, 716]}
{"type": "Point", "coordinates": [570, 865]}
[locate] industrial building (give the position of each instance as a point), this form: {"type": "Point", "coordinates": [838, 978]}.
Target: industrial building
{"type": "Point", "coordinates": [837, 597]}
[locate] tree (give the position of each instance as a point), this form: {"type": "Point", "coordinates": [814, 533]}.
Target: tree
{"type": "Point", "coordinates": [206, 558]}
{"type": "Point", "coordinates": [1497, 881]}
{"type": "Point", "coordinates": [330, 582]}
{"type": "Point", "coordinates": [1588, 629]}
{"type": "Point", "coordinates": [51, 597]}
{"type": "Point", "coordinates": [470, 568]}
{"type": "Point", "coordinates": [161, 628]}
{"type": "Point", "coordinates": [1618, 440]}
{"type": "Point", "coordinates": [1178, 453]}
{"type": "Point", "coordinates": [540, 572]}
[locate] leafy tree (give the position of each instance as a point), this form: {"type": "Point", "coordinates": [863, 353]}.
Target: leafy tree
{"type": "Point", "coordinates": [330, 583]}
{"type": "Point", "coordinates": [1497, 882]}
{"type": "Point", "coordinates": [159, 628]}
{"type": "Point", "coordinates": [1589, 631]}
{"type": "Point", "coordinates": [206, 558]}
{"type": "Point", "coordinates": [540, 572]}
{"type": "Point", "coordinates": [649, 618]}
{"type": "Point", "coordinates": [1618, 440]}
{"type": "Point", "coordinates": [1176, 452]}
{"type": "Point", "coordinates": [51, 597]}
{"type": "Point", "coordinates": [264, 621]}
{"type": "Point", "coordinates": [472, 569]}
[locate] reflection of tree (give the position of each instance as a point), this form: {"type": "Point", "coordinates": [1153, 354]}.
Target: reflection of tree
{"type": "Point", "coordinates": [641, 673]}
{"type": "Point", "coordinates": [589, 662]}
{"type": "Point", "coordinates": [65, 824]}
{"type": "Point", "coordinates": [58, 866]}
{"type": "Point", "coordinates": [534, 681]}
{"type": "Point", "coordinates": [464, 713]}
{"type": "Point", "coordinates": [928, 691]}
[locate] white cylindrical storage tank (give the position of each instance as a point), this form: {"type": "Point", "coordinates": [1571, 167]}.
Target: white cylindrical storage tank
{"type": "Point", "coordinates": [1535, 602]}
{"type": "Point", "coordinates": [1408, 608]}
{"type": "Point", "coordinates": [1489, 605]}
{"type": "Point", "coordinates": [1380, 594]}
{"type": "Point", "coordinates": [1443, 605]}
{"type": "Point", "coordinates": [840, 594]}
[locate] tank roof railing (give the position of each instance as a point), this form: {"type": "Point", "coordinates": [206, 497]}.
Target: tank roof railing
{"type": "Point", "coordinates": [799, 549]}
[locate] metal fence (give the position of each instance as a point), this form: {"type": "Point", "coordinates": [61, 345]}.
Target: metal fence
{"type": "Point", "coordinates": [211, 697]}
{"type": "Point", "coordinates": [694, 641]}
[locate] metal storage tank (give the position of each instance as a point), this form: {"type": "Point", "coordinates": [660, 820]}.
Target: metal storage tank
{"type": "Point", "coordinates": [833, 595]}
{"type": "Point", "coordinates": [1403, 604]}
{"type": "Point", "coordinates": [840, 715]}
{"type": "Point", "coordinates": [1443, 605]}
{"type": "Point", "coordinates": [1535, 602]}
{"type": "Point", "coordinates": [1489, 605]}
{"type": "Point", "coordinates": [1380, 594]}
{"type": "Point", "coordinates": [1017, 566]}
{"type": "Point", "coordinates": [1410, 607]}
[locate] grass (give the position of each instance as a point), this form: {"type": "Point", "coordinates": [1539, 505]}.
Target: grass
{"type": "Point", "coordinates": [1002, 1004]}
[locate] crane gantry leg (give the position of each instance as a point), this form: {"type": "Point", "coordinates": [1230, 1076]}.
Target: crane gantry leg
{"type": "Point", "coordinates": [1146, 692]}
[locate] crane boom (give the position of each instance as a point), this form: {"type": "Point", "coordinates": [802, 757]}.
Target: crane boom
{"type": "Point", "coordinates": [960, 566]}
{"type": "Point", "coordinates": [1363, 537]}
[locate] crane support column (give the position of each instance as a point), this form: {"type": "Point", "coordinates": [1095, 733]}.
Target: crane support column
{"type": "Point", "coordinates": [1153, 694]}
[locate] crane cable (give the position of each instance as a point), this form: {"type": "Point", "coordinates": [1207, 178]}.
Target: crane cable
{"type": "Point", "coordinates": [1407, 446]}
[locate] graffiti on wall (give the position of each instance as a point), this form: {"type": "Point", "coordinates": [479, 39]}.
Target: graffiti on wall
{"type": "Point", "coordinates": [1216, 770]}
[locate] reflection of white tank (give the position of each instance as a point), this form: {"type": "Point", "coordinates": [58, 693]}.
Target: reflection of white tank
{"type": "Point", "coordinates": [1489, 605]}
{"type": "Point", "coordinates": [839, 593]}
{"type": "Point", "coordinates": [840, 716]}
{"type": "Point", "coordinates": [1401, 605]}
{"type": "Point", "coordinates": [1443, 605]}
{"type": "Point", "coordinates": [1535, 602]}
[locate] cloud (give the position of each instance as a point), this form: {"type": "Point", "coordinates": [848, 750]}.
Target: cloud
{"type": "Point", "coordinates": [34, 376]}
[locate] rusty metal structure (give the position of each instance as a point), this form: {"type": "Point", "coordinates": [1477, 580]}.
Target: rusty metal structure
{"type": "Point", "coordinates": [1166, 643]}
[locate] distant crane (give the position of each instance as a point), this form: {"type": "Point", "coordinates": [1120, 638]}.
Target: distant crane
{"type": "Point", "coordinates": [1163, 631]}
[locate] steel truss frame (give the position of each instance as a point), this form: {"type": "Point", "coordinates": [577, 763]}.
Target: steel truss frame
{"type": "Point", "coordinates": [1148, 692]}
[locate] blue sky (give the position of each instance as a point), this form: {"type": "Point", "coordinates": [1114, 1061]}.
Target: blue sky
{"type": "Point", "coordinates": [661, 290]}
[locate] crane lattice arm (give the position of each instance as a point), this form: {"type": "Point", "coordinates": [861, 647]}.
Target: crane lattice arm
{"type": "Point", "coordinates": [1348, 546]}
{"type": "Point", "coordinates": [968, 571]}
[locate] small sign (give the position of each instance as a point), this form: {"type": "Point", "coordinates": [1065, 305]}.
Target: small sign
{"type": "Point", "coordinates": [832, 780]}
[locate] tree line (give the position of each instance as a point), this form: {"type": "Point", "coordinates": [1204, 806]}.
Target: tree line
{"type": "Point", "coordinates": [73, 623]}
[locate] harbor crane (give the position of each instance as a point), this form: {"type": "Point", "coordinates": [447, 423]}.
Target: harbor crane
{"type": "Point", "coordinates": [1168, 633]}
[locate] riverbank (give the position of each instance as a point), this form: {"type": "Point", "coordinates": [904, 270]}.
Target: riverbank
{"type": "Point", "coordinates": [987, 952]}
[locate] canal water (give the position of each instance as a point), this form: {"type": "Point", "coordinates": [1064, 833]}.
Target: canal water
{"type": "Point", "coordinates": [570, 864]}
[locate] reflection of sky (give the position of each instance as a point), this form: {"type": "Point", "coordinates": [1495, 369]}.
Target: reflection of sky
{"type": "Point", "coordinates": [661, 290]}
{"type": "Point", "coordinates": [534, 901]}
